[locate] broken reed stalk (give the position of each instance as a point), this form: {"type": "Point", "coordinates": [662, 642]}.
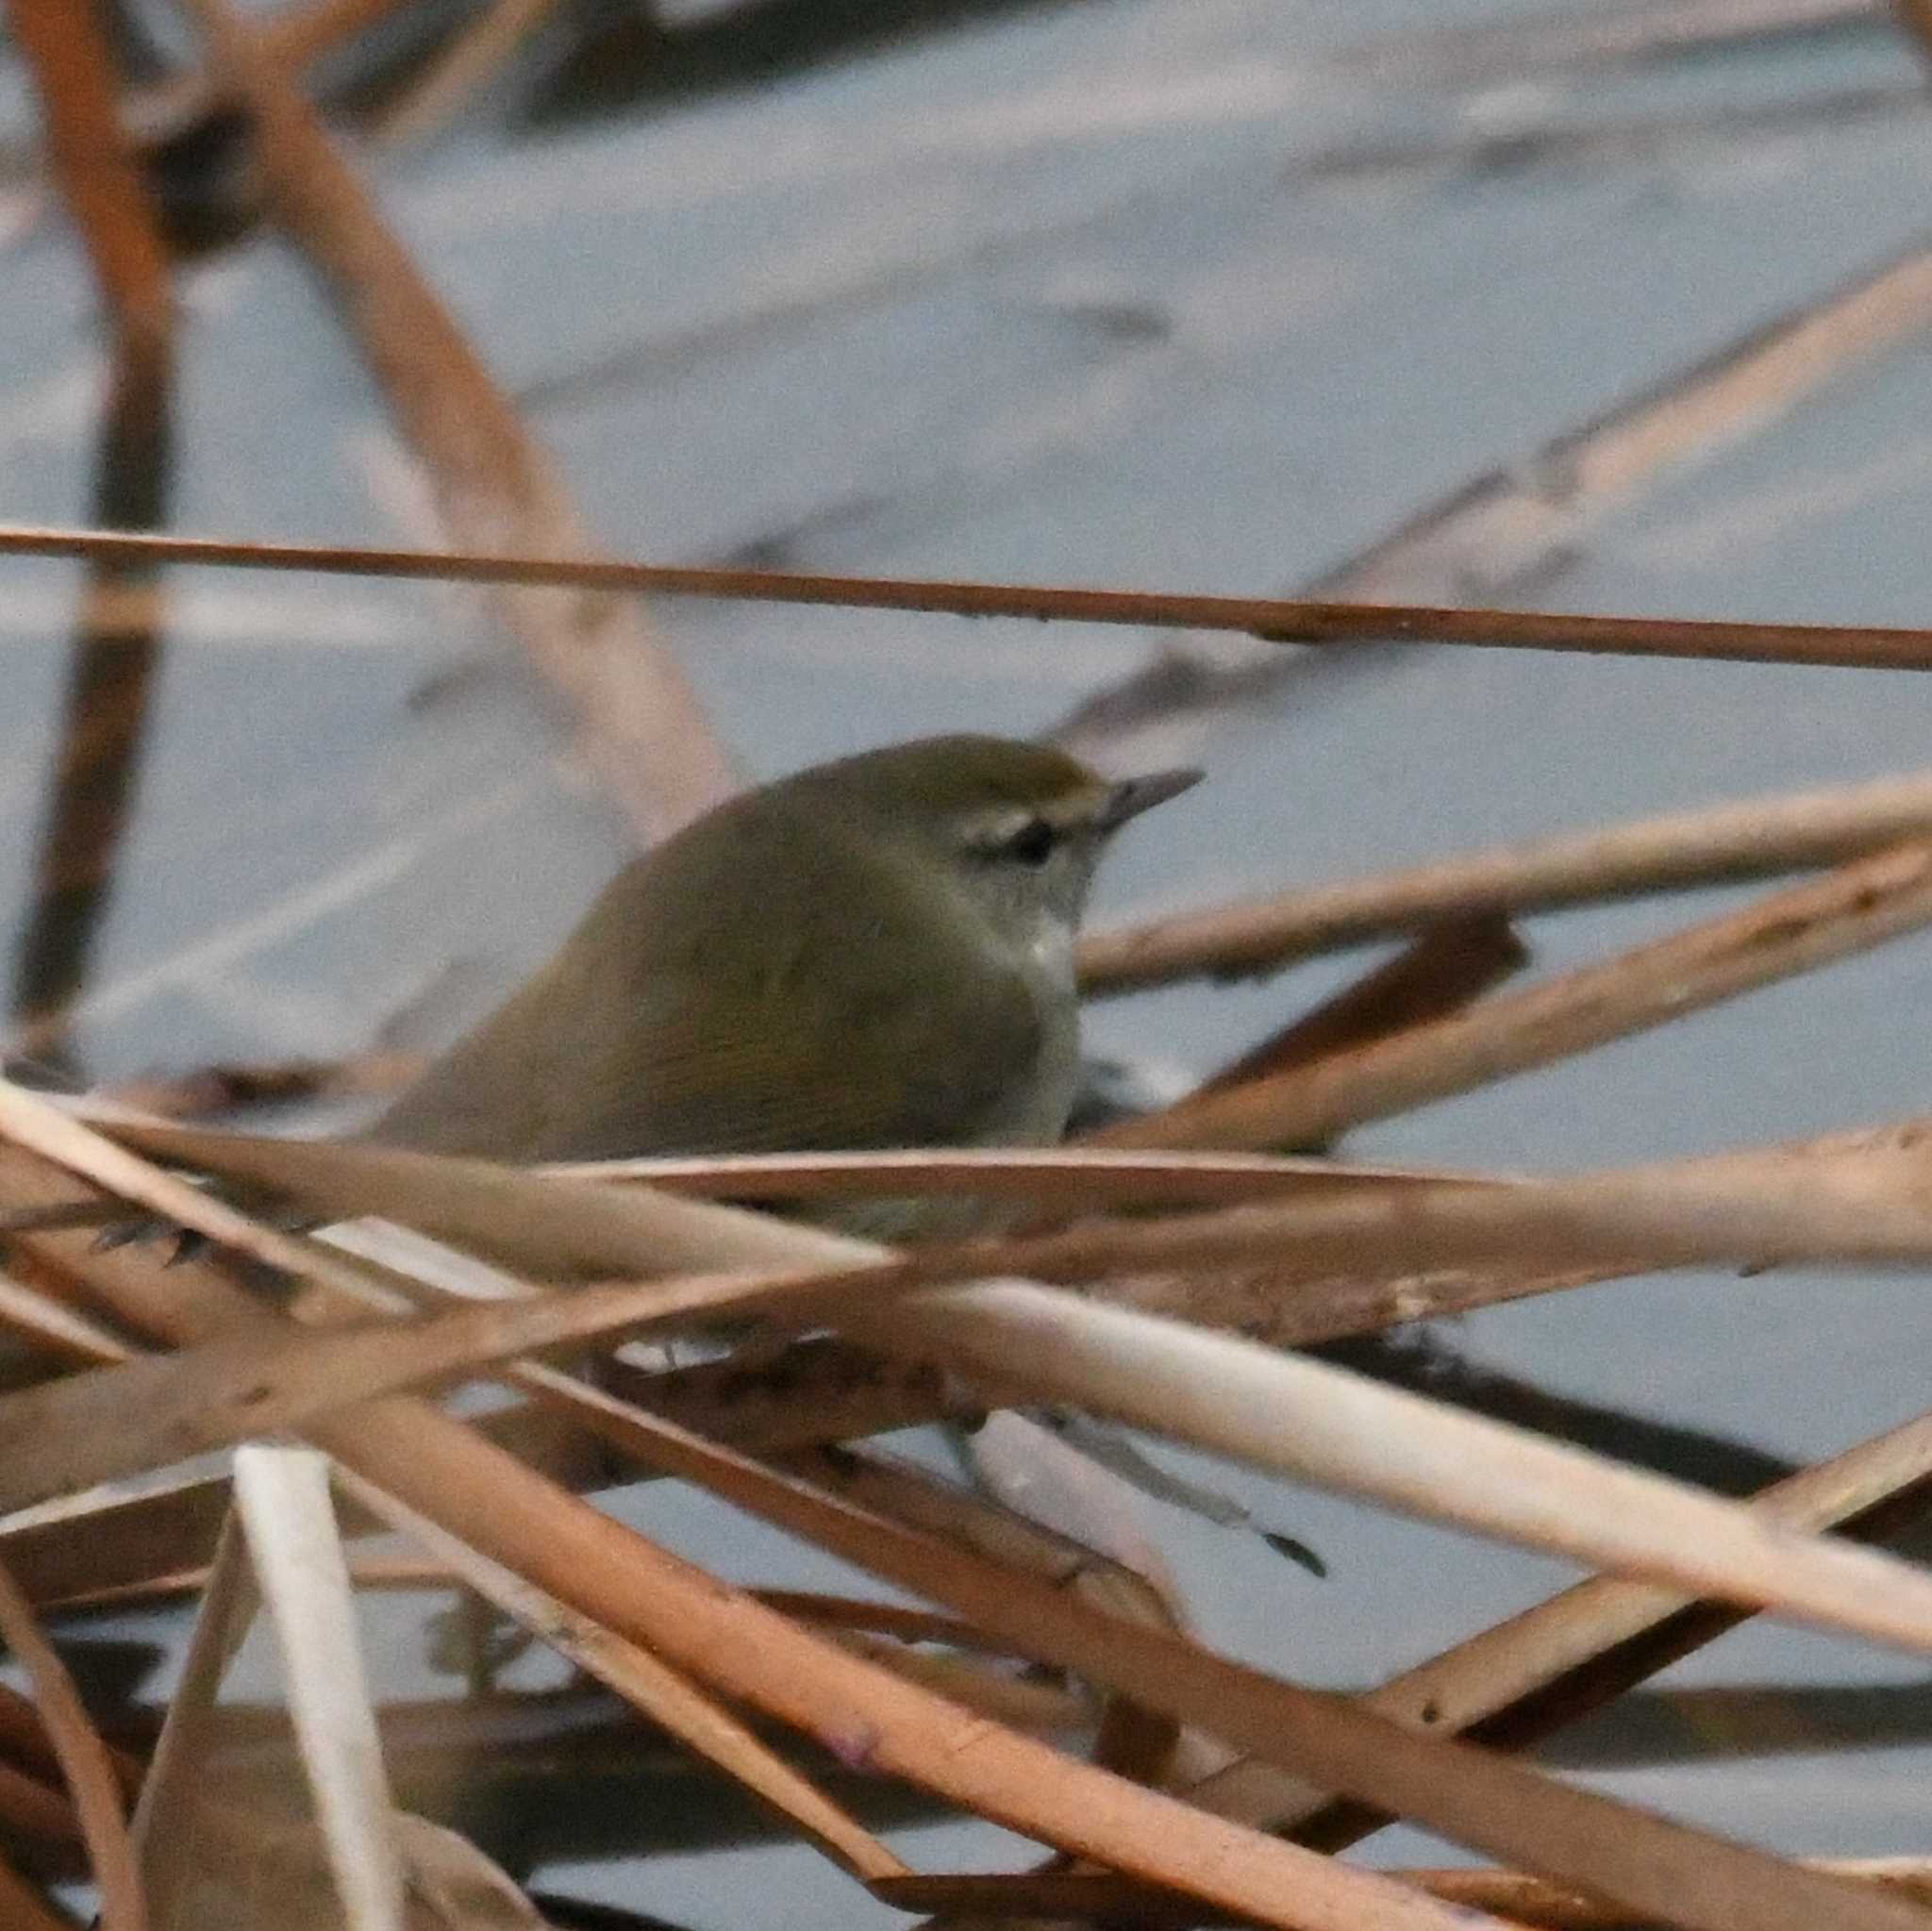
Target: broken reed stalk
{"type": "Point", "coordinates": [1725, 843]}
{"type": "Point", "coordinates": [640, 720]}
{"type": "Point", "coordinates": [85, 1763]}
{"type": "Point", "coordinates": [1274, 620]}
{"type": "Point", "coordinates": [1851, 908]}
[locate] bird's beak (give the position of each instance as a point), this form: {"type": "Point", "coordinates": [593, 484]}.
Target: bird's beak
{"type": "Point", "coordinates": [1133, 795]}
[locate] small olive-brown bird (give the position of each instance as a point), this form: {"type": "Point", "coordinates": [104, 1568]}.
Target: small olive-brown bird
{"type": "Point", "coordinates": [874, 953]}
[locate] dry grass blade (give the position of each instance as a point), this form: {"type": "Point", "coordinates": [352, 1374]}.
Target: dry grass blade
{"type": "Point", "coordinates": [1726, 843]}
{"type": "Point", "coordinates": [1851, 908]}
{"type": "Point", "coordinates": [165, 1819]}
{"type": "Point", "coordinates": [640, 720]}
{"type": "Point", "coordinates": [84, 1762]}
{"type": "Point", "coordinates": [282, 1497]}
{"type": "Point", "coordinates": [660, 1692]}
{"type": "Point", "coordinates": [1275, 619]}
{"type": "Point", "coordinates": [1468, 1795]}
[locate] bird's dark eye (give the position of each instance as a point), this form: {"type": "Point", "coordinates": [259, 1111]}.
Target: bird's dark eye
{"type": "Point", "coordinates": [1033, 843]}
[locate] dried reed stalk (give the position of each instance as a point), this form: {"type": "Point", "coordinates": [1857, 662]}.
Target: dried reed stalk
{"type": "Point", "coordinates": [1449, 967]}
{"type": "Point", "coordinates": [1471, 1796]}
{"type": "Point", "coordinates": [1851, 908]}
{"type": "Point", "coordinates": [412, 1452]}
{"type": "Point", "coordinates": [297, 35]}
{"type": "Point", "coordinates": [1547, 1908]}
{"type": "Point", "coordinates": [507, 1510]}
{"type": "Point", "coordinates": [281, 1496]}
{"type": "Point", "coordinates": [1229, 1394]}
{"type": "Point", "coordinates": [84, 1762]}
{"type": "Point", "coordinates": [640, 720]}
{"type": "Point", "coordinates": [116, 642]}
{"type": "Point", "coordinates": [1041, 1710]}
{"type": "Point", "coordinates": [478, 52]}
{"type": "Point", "coordinates": [1497, 1683]}
{"type": "Point", "coordinates": [648, 1685]}
{"type": "Point", "coordinates": [86, 1544]}
{"type": "Point", "coordinates": [1504, 530]}
{"type": "Point", "coordinates": [23, 1908]}
{"type": "Point", "coordinates": [56, 1330]}
{"type": "Point", "coordinates": [1274, 619]}
{"type": "Point", "coordinates": [1612, 32]}
{"type": "Point", "coordinates": [1067, 1177]}
{"type": "Point", "coordinates": [37, 1813]}
{"type": "Point", "coordinates": [1520, 1901]}
{"type": "Point", "coordinates": [1134, 1741]}
{"type": "Point", "coordinates": [1722, 845]}
{"type": "Point", "coordinates": [25, 1739]}
{"type": "Point", "coordinates": [165, 1818]}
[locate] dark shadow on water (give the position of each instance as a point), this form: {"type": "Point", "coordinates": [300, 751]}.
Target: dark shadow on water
{"type": "Point", "coordinates": [618, 57]}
